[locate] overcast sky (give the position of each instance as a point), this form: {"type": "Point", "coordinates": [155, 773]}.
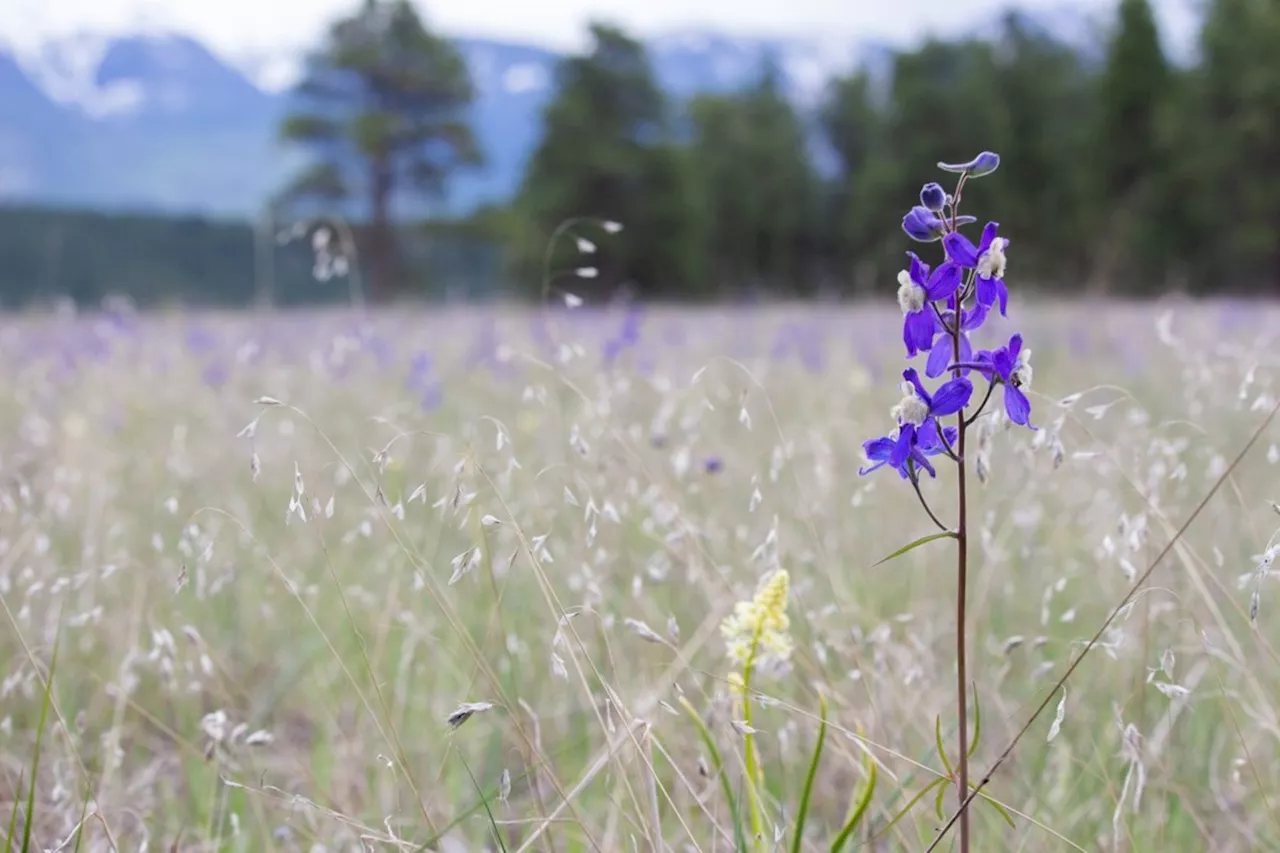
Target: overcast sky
{"type": "Point", "coordinates": [237, 26]}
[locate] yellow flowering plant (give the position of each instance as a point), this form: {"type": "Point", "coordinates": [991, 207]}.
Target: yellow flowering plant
{"type": "Point", "coordinates": [757, 635]}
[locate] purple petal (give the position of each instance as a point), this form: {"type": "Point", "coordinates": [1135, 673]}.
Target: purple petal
{"type": "Point", "coordinates": [1003, 295]}
{"type": "Point", "coordinates": [1016, 405]}
{"type": "Point", "coordinates": [902, 447]}
{"type": "Point", "coordinates": [961, 249]}
{"type": "Point", "coordinates": [974, 318]}
{"type": "Point", "coordinates": [913, 377]}
{"type": "Point", "coordinates": [917, 331]}
{"type": "Point", "coordinates": [878, 449]}
{"type": "Point", "coordinates": [939, 358]}
{"type": "Point", "coordinates": [1015, 346]}
{"type": "Point", "coordinates": [919, 269]}
{"type": "Point", "coordinates": [951, 397]}
{"type": "Point", "coordinates": [986, 292]}
{"type": "Point", "coordinates": [988, 234]}
{"type": "Point", "coordinates": [927, 435]}
{"type": "Point", "coordinates": [966, 351]}
{"type": "Point", "coordinates": [1003, 363]}
{"type": "Point", "coordinates": [923, 462]}
{"type": "Point", "coordinates": [944, 282]}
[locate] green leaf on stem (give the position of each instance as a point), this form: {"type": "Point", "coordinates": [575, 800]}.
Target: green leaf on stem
{"type": "Point", "coordinates": [923, 540]}
{"type": "Point", "coordinates": [911, 804]}
{"type": "Point", "coordinates": [977, 722]}
{"type": "Point", "coordinates": [942, 750]}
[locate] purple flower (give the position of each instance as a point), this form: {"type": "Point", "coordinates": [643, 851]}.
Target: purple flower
{"type": "Point", "coordinates": [880, 450]}
{"type": "Point", "coordinates": [984, 164]}
{"type": "Point", "coordinates": [943, 353]}
{"type": "Point", "coordinates": [933, 197]}
{"type": "Point", "coordinates": [916, 290]}
{"type": "Point", "coordinates": [987, 258]}
{"type": "Point", "coordinates": [918, 408]}
{"type": "Point", "coordinates": [1010, 365]}
{"type": "Point", "coordinates": [925, 226]}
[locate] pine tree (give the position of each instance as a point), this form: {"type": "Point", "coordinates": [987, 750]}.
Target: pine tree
{"type": "Point", "coordinates": [386, 105]}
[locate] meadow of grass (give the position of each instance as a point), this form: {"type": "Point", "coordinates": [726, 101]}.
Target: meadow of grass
{"type": "Point", "coordinates": [270, 617]}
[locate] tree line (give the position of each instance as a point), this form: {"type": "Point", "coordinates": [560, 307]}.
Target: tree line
{"type": "Point", "coordinates": [1123, 172]}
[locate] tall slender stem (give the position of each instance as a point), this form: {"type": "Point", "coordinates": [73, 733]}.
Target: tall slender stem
{"type": "Point", "coordinates": [962, 584]}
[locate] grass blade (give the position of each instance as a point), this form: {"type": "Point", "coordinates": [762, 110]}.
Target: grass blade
{"type": "Point", "coordinates": [803, 813]}
{"type": "Point", "coordinates": [911, 546]}
{"type": "Point", "coordinates": [484, 801]}
{"type": "Point", "coordinates": [13, 813]}
{"type": "Point", "coordinates": [860, 809]}
{"type": "Point", "coordinates": [739, 836]}
{"type": "Point", "coordinates": [29, 818]}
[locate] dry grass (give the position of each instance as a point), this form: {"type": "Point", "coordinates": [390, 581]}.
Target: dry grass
{"type": "Point", "coordinates": [525, 526]}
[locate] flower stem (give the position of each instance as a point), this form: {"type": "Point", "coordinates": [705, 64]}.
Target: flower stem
{"type": "Point", "coordinates": [915, 483]}
{"type": "Point", "coordinates": [991, 386]}
{"type": "Point", "coordinates": [962, 583]}
{"type": "Point", "coordinates": [755, 806]}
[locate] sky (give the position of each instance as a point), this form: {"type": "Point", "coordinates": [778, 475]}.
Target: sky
{"type": "Point", "coordinates": [266, 26]}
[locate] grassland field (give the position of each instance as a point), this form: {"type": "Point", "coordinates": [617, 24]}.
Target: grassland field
{"type": "Point", "coordinates": [266, 613]}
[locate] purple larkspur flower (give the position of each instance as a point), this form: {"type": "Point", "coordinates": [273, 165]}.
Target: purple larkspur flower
{"type": "Point", "coordinates": [1010, 366]}
{"type": "Point", "coordinates": [880, 450]}
{"type": "Point", "coordinates": [918, 408]}
{"type": "Point", "coordinates": [987, 259]}
{"type": "Point", "coordinates": [917, 288]}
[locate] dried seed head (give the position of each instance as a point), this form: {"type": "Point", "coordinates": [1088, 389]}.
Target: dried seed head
{"type": "Point", "coordinates": [643, 631]}
{"type": "Point", "coordinates": [465, 711]}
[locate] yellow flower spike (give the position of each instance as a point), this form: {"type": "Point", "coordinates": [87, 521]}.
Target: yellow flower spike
{"type": "Point", "coordinates": [759, 630]}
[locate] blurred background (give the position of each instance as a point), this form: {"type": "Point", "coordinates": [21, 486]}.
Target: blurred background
{"type": "Point", "coordinates": [189, 152]}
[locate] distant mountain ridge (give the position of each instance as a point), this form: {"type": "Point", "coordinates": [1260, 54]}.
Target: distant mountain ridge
{"type": "Point", "coordinates": [159, 122]}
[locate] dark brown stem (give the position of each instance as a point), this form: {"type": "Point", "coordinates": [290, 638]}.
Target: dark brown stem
{"type": "Point", "coordinates": [962, 585]}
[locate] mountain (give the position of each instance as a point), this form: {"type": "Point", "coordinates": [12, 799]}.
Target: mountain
{"type": "Point", "coordinates": [157, 121]}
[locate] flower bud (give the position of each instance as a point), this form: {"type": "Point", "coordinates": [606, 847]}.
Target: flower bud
{"type": "Point", "coordinates": [933, 196]}
{"type": "Point", "coordinates": [923, 225]}
{"type": "Point", "coordinates": [984, 164]}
